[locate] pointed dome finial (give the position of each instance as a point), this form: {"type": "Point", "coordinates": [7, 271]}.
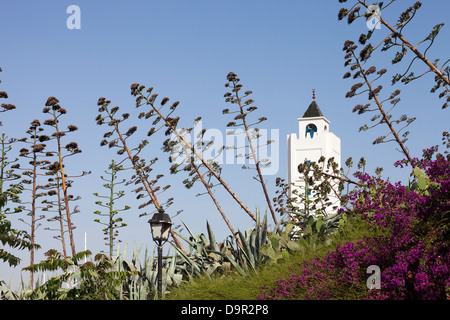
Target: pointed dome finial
{"type": "Point", "coordinates": [314, 94]}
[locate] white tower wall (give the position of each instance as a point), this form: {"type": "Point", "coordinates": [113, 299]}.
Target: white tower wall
{"type": "Point", "coordinates": [304, 147]}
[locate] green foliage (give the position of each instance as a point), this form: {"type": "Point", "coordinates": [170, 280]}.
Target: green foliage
{"type": "Point", "coordinates": [233, 286]}
{"type": "Point", "coordinates": [422, 183]}
{"type": "Point", "coordinates": [255, 249]}
{"type": "Point", "coordinates": [230, 286]}
{"type": "Point", "coordinates": [239, 254]}
{"type": "Point", "coordinates": [305, 236]}
{"type": "Point", "coordinates": [280, 245]}
{"type": "Point", "coordinates": [103, 279]}
{"type": "Point", "coordinates": [15, 239]}
{"type": "Point", "coordinates": [250, 244]}
{"type": "Point", "coordinates": [95, 280]}
{"type": "Point", "coordinates": [318, 229]}
{"type": "Point", "coordinates": [6, 167]}
{"type": "Point", "coordinates": [221, 270]}
{"type": "Point", "coordinates": [9, 236]}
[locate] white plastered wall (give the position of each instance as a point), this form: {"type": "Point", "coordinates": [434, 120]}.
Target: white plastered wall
{"type": "Point", "coordinates": [301, 147]}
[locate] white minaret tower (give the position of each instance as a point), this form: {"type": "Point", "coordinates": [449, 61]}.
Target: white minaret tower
{"type": "Point", "coordinates": [314, 140]}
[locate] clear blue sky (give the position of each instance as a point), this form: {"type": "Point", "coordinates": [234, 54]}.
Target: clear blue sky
{"type": "Point", "coordinates": [281, 50]}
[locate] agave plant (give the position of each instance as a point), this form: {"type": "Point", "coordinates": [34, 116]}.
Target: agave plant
{"type": "Point", "coordinates": [207, 257]}
{"type": "Point", "coordinates": [23, 290]}
{"type": "Point", "coordinates": [204, 256]}
{"type": "Point", "coordinates": [143, 284]}
{"type": "Point", "coordinates": [252, 241]}
{"type": "Point", "coordinates": [8, 293]}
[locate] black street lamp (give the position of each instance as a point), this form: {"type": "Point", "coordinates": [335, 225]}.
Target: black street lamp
{"type": "Point", "coordinates": [160, 225]}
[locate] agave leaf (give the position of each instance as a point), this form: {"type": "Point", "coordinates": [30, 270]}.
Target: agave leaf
{"type": "Point", "coordinates": [246, 250]}
{"type": "Point", "coordinates": [211, 268]}
{"type": "Point", "coordinates": [171, 270]}
{"type": "Point", "coordinates": [434, 185]}
{"type": "Point", "coordinates": [257, 226]}
{"type": "Point", "coordinates": [152, 278]}
{"type": "Point", "coordinates": [189, 241]}
{"type": "Point", "coordinates": [186, 258]}
{"type": "Point", "coordinates": [136, 253]}
{"type": "Point", "coordinates": [263, 231]}
{"type": "Point", "coordinates": [124, 253]}
{"type": "Point", "coordinates": [202, 242]}
{"type": "Point", "coordinates": [150, 263]}
{"type": "Point", "coordinates": [212, 239]}
{"type": "Point", "coordinates": [128, 266]}
{"type": "Point", "coordinates": [252, 245]}
{"type": "Point", "coordinates": [146, 265]}
{"type": "Point", "coordinates": [261, 234]}
{"type": "Point", "coordinates": [257, 231]}
{"type": "Point", "coordinates": [189, 230]}
{"type": "Point", "coordinates": [143, 292]}
{"type": "Point", "coordinates": [177, 278]}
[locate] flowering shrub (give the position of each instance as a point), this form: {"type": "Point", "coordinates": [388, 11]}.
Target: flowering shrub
{"type": "Point", "coordinates": [413, 255]}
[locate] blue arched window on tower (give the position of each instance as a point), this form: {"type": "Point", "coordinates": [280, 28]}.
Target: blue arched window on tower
{"type": "Point", "coordinates": [311, 129]}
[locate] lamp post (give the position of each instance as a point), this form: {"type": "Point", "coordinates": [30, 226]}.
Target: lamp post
{"type": "Point", "coordinates": [160, 225]}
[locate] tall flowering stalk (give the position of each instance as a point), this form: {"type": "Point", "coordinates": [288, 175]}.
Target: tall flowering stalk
{"type": "Point", "coordinates": [369, 76]}
{"type": "Point", "coordinates": [113, 223]}
{"type": "Point", "coordinates": [149, 188]}
{"type": "Point", "coordinates": [170, 123]}
{"type": "Point", "coordinates": [396, 38]}
{"type": "Point", "coordinates": [242, 111]}
{"type": "Point", "coordinates": [5, 106]}
{"type": "Point", "coordinates": [31, 183]}
{"type": "Point", "coordinates": [54, 188]}
{"type": "Point", "coordinates": [62, 152]}
{"type": "Point", "coordinates": [196, 170]}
